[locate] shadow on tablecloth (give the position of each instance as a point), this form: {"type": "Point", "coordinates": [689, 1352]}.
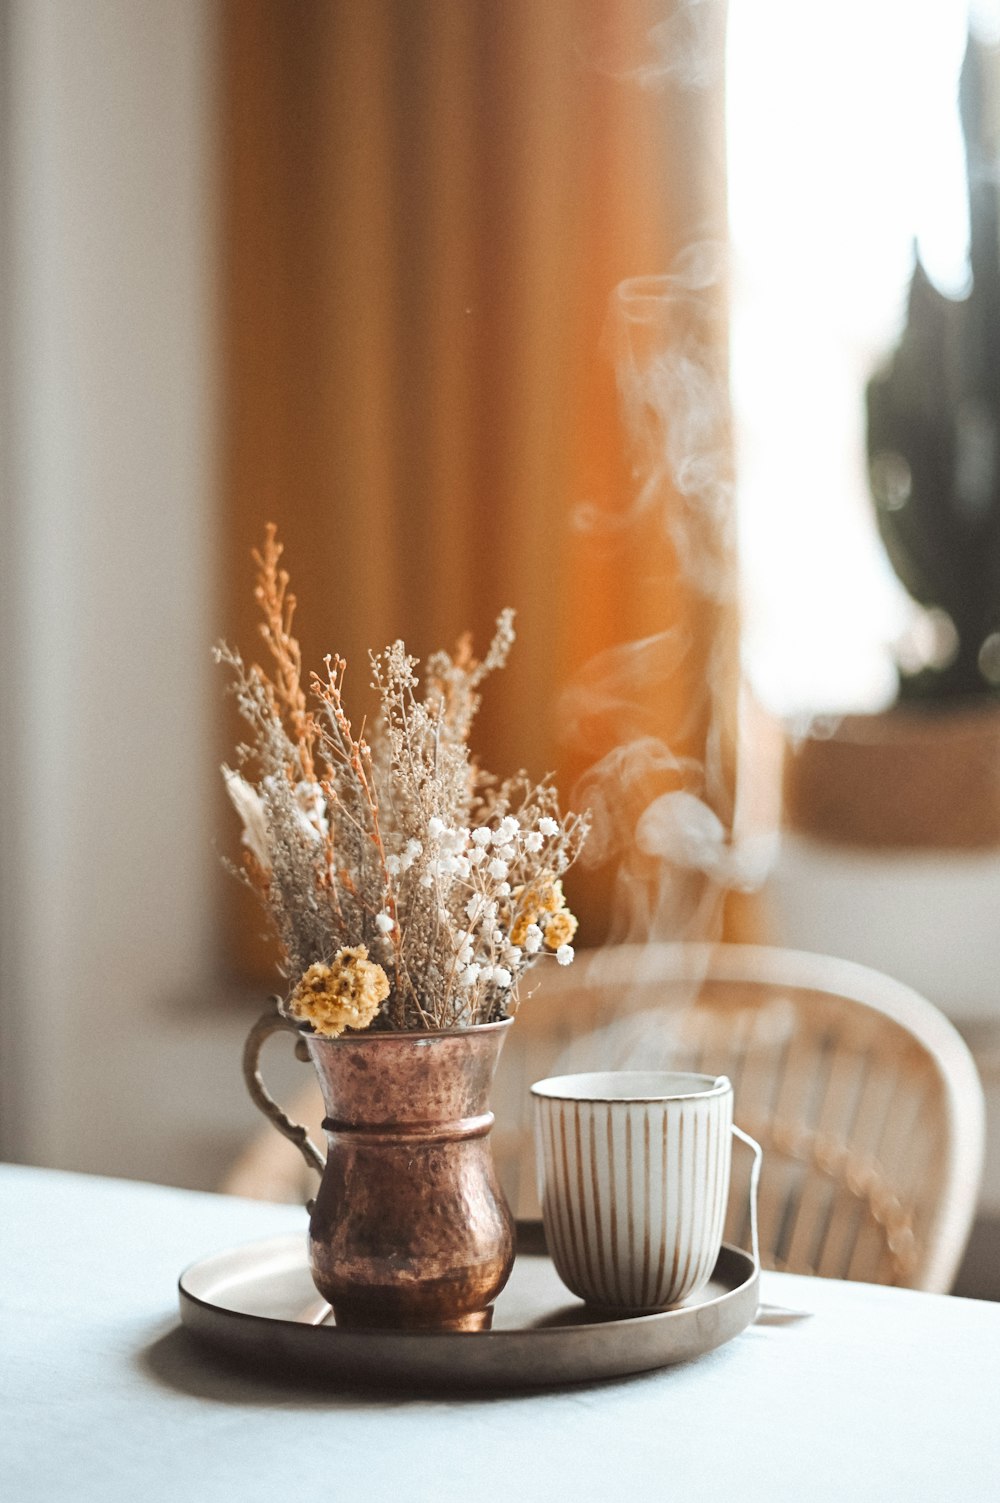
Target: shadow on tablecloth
{"type": "Point", "coordinates": [176, 1360]}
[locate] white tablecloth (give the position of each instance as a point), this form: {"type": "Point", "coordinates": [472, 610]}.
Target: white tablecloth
{"type": "Point", "coordinates": [883, 1395]}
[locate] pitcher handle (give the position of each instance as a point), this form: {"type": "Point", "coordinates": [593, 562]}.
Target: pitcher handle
{"type": "Point", "coordinates": [269, 1022]}
{"type": "Point", "coordinates": [758, 1159]}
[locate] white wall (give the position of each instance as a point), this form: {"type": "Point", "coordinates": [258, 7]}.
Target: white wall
{"type": "Point", "coordinates": [111, 1061]}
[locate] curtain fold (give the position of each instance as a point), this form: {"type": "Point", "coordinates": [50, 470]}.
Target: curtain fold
{"type": "Point", "coordinates": [427, 208]}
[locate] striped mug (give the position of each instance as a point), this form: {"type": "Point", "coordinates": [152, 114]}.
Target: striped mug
{"type": "Point", "coordinates": [633, 1170]}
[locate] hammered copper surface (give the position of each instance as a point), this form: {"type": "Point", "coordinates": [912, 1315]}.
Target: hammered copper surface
{"type": "Point", "coordinates": [410, 1226]}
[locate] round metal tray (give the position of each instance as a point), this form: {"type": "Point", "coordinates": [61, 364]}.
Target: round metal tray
{"type": "Point", "coordinates": [258, 1302]}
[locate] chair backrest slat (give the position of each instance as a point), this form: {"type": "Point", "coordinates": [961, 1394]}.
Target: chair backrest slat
{"type": "Point", "coordinates": [832, 1120]}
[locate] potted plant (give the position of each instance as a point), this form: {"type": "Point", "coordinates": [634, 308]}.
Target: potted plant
{"type": "Point", "coordinates": [410, 893]}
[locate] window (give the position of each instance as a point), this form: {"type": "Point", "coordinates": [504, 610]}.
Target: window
{"type": "Point", "coordinates": [844, 148]}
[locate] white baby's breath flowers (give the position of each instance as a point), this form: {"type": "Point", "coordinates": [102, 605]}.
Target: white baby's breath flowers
{"type": "Point", "coordinates": [548, 826]}
{"type": "Point", "coordinates": [565, 954]}
{"type": "Point", "coordinates": [533, 939]}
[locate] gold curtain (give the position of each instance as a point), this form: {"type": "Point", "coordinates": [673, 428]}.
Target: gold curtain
{"type": "Point", "coordinates": [427, 205]}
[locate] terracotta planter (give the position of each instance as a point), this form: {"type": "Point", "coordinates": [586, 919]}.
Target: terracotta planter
{"type": "Point", "coordinates": [908, 778]}
{"type": "Point", "coordinates": [410, 1227]}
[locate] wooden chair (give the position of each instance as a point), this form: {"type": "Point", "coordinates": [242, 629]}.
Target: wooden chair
{"type": "Point", "coordinates": [864, 1098]}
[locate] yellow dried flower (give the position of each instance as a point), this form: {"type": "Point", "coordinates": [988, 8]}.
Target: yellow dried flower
{"type": "Point", "coordinates": [345, 994]}
{"type": "Point", "coordinates": [550, 899]}
{"type": "Point", "coordinates": [560, 929]}
{"type": "Point", "coordinates": [520, 926]}
{"type": "Point", "coordinates": [545, 895]}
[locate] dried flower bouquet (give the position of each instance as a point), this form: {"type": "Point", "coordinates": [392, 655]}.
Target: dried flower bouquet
{"type": "Point", "coordinates": [407, 888]}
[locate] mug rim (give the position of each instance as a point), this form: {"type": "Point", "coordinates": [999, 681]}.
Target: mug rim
{"type": "Point", "coordinates": [546, 1090]}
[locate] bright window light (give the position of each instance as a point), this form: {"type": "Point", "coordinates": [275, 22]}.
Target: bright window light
{"type": "Point", "coordinates": [845, 148]}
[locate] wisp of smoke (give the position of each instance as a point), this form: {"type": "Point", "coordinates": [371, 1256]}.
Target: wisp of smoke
{"type": "Point", "coordinates": [668, 353]}
{"type": "Point", "coordinates": [665, 819]}
{"type": "Point", "coordinates": [680, 50]}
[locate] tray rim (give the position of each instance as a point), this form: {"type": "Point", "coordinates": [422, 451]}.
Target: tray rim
{"type": "Point", "coordinates": [504, 1333]}
{"type": "Point", "coordinates": [200, 1315]}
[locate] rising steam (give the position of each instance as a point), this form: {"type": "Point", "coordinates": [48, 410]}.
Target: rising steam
{"type": "Point", "coordinates": [669, 820]}
{"type": "Point", "coordinates": [666, 338]}
{"type": "Point", "coordinates": [669, 814]}
{"type": "Point", "coordinates": [680, 50]}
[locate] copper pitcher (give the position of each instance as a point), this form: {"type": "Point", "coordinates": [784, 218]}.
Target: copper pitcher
{"type": "Point", "coordinates": [410, 1226]}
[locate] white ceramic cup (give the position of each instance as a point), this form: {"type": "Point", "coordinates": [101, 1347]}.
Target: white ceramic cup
{"type": "Point", "coordinates": [633, 1171]}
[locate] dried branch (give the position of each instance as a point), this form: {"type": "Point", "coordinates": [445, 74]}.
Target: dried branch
{"type": "Point", "coordinates": [278, 608]}
{"type": "Point", "coordinates": [395, 872]}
